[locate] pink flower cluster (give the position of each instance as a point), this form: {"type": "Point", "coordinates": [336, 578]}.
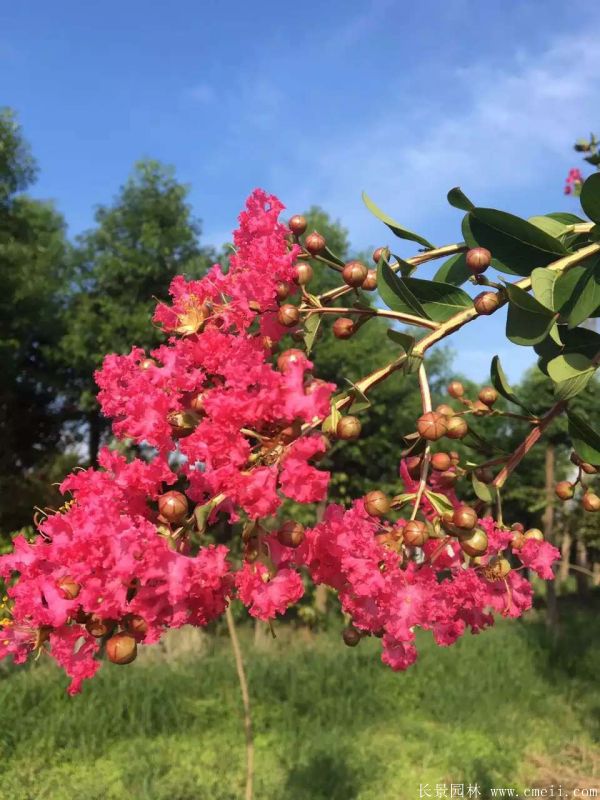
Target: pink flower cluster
{"type": "Point", "coordinates": [231, 433]}
{"type": "Point", "coordinates": [573, 181]}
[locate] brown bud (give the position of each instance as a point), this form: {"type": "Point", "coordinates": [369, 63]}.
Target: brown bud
{"type": "Point", "coordinates": [476, 543]}
{"type": "Point", "coordinates": [351, 636]}
{"type": "Point", "coordinates": [291, 534]}
{"type": "Point", "coordinates": [288, 358]}
{"type": "Point", "coordinates": [182, 423]}
{"type": "Point", "coordinates": [376, 504]}
{"type": "Point", "coordinates": [297, 224]}
{"type": "Point", "coordinates": [478, 260]}
{"type": "Point", "coordinates": [486, 303]}
{"type": "Point", "coordinates": [314, 243]}
{"type": "Point", "coordinates": [518, 526]}
{"type": "Point", "coordinates": [288, 315]}
{"type": "Point", "coordinates": [484, 474]}
{"type": "Point", "coordinates": [379, 252]}
{"type": "Point", "coordinates": [413, 465]}
{"type": "Point", "coordinates": [343, 328]}
{"type": "Point", "coordinates": [68, 587]}
{"type": "Point", "coordinates": [488, 396]}
{"type": "Point", "coordinates": [590, 501]}
{"type": "Point", "coordinates": [121, 648]}
{"type": "Point", "coordinates": [445, 409]}
{"type": "Point", "coordinates": [354, 273]}
{"type": "Point", "coordinates": [564, 490]}
{"type": "Point", "coordinates": [432, 425]}
{"type": "Point", "coordinates": [465, 518]}
{"type": "Point", "coordinates": [534, 533]}
{"type": "Point", "coordinates": [135, 625]}
{"type": "Point", "coordinates": [370, 282]}
{"type": "Point", "coordinates": [348, 428]}
{"type": "Point", "coordinates": [457, 428]}
{"type": "Point", "coordinates": [498, 568]}
{"type": "Point", "coordinates": [303, 273]}
{"type": "Point", "coordinates": [456, 389]}
{"type": "Point", "coordinates": [173, 507]}
{"type": "Point", "coordinates": [454, 457]}
{"type": "Point", "coordinates": [415, 533]}
{"type": "Point", "coordinates": [283, 289]}
{"type": "Point", "coordinates": [441, 462]}
{"type": "Point", "coordinates": [98, 627]}
{"type": "Point", "coordinates": [447, 479]}
{"type": "Point", "coordinates": [589, 469]}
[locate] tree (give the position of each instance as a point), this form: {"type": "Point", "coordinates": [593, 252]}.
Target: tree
{"type": "Point", "coordinates": [140, 242]}
{"type": "Point", "coordinates": [33, 263]}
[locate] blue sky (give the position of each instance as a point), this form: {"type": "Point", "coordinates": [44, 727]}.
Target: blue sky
{"type": "Point", "coordinates": [314, 102]}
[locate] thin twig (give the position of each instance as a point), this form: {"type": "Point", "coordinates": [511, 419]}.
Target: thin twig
{"type": "Point", "coordinates": [409, 319]}
{"type": "Point", "coordinates": [239, 664]}
{"type": "Point", "coordinates": [426, 403]}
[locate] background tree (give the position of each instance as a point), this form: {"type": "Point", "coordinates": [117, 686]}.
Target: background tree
{"type": "Point", "coordinates": [140, 242]}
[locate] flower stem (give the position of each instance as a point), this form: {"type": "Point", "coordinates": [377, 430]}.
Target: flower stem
{"type": "Point", "coordinates": [239, 664]}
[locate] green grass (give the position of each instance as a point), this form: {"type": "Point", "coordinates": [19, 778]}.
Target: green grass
{"type": "Point", "coordinates": [330, 722]}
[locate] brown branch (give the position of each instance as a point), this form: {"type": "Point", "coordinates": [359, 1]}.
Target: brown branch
{"type": "Point", "coordinates": [426, 403]}
{"type": "Point", "coordinates": [239, 664]}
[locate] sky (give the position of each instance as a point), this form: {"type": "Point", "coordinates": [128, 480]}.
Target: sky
{"type": "Point", "coordinates": [314, 102]}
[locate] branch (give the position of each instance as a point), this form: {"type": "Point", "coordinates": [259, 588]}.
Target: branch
{"type": "Point", "coordinates": [409, 319]}
{"type": "Point", "coordinates": [426, 403]}
{"type": "Point", "coordinates": [239, 664]}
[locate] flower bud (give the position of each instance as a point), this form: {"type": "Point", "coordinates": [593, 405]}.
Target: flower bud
{"type": "Point", "coordinates": [183, 423]}
{"type": "Point", "coordinates": [98, 627]}
{"type": "Point", "coordinates": [415, 533]}
{"type": "Point", "coordinates": [413, 466]}
{"type": "Point", "coordinates": [518, 526]}
{"type": "Point", "coordinates": [348, 428]}
{"type": "Point", "coordinates": [314, 243]}
{"type": "Point", "coordinates": [534, 533]}
{"type": "Point", "coordinates": [475, 544]}
{"type": "Point", "coordinates": [354, 273]}
{"type": "Point", "coordinates": [480, 409]}
{"type": "Point", "coordinates": [376, 504]}
{"type": "Point", "coordinates": [351, 636]}
{"type": "Point", "coordinates": [135, 625]}
{"type": "Point", "coordinates": [590, 501]}
{"type": "Point", "coordinates": [282, 290]}
{"type": "Point", "coordinates": [564, 490]}
{"type": "Point", "coordinates": [68, 587]}
{"type": "Point", "coordinates": [297, 224]}
{"type": "Point", "coordinates": [441, 462]}
{"type": "Point", "coordinates": [478, 260]}
{"type": "Point", "coordinates": [288, 315]}
{"type": "Point", "coordinates": [484, 474]}
{"type": "Point", "coordinates": [288, 358]}
{"type": "Point", "coordinates": [486, 303]}
{"type": "Point", "coordinates": [291, 534]}
{"type": "Point", "coordinates": [121, 648]}
{"type": "Point", "coordinates": [589, 469]}
{"type": "Point", "coordinates": [497, 568]}
{"type": "Point", "coordinates": [379, 253]}
{"type": "Point", "coordinates": [370, 282]}
{"type": "Point", "coordinates": [173, 507]}
{"type": "Point", "coordinates": [303, 273]}
{"type": "Point", "coordinates": [454, 457]}
{"type": "Point", "coordinates": [465, 518]}
{"type": "Point", "coordinates": [488, 396]}
{"type": "Point", "coordinates": [456, 389]}
{"type": "Point", "coordinates": [457, 428]}
{"type": "Point", "coordinates": [445, 409]}
{"type": "Point", "coordinates": [343, 328]}
{"type": "Point", "coordinates": [432, 426]}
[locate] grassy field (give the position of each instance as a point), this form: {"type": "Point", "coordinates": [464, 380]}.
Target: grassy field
{"type": "Point", "coordinates": [507, 709]}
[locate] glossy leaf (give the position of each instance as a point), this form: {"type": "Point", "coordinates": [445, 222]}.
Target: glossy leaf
{"type": "Point", "coordinates": [564, 390]}
{"type": "Point", "coordinates": [458, 199]}
{"type": "Point", "coordinates": [549, 225]}
{"type": "Point", "coordinates": [483, 491]}
{"type": "Point", "coordinates": [396, 228]}
{"type": "Point", "coordinates": [501, 384]}
{"type": "Point", "coordinates": [570, 366]}
{"type": "Point", "coordinates": [311, 328]}
{"type": "Point", "coordinates": [404, 340]}
{"type": "Point", "coordinates": [542, 283]}
{"type": "Point", "coordinates": [585, 296]}
{"type": "Point", "coordinates": [440, 300]}
{"type": "Point", "coordinates": [585, 440]}
{"type": "Point", "coordinates": [395, 294]}
{"type": "Point", "coordinates": [565, 217]}
{"type": "Point", "coordinates": [517, 245]}
{"type": "Point", "coordinates": [590, 197]}
{"type": "Point", "coordinates": [454, 270]}
{"type": "Point", "coordinates": [528, 321]}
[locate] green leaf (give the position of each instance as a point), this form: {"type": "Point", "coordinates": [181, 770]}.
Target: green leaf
{"type": "Point", "coordinates": [327, 253]}
{"type": "Point", "coordinates": [585, 296]}
{"type": "Point", "coordinates": [398, 230]}
{"type": "Point", "coordinates": [564, 390]}
{"type": "Point", "coordinates": [565, 217]}
{"type": "Point", "coordinates": [405, 340]}
{"type": "Point", "coordinates": [483, 490]}
{"type": "Point", "coordinates": [439, 501]}
{"type": "Point", "coordinates": [360, 401]}
{"type": "Point", "coordinates": [562, 367]}
{"type": "Point", "coordinates": [458, 199]}
{"type": "Point", "coordinates": [590, 197]}
{"type": "Point", "coordinates": [454, 270]}
{"type": "Point", "coordinates": [542, 283]}
{"type": "Point", "coordinates": [311, 328]}
{"type": "Point", "coordinates": [440, 300]}
{"type": "Point", "coordinates": [395, 294]}
{"type": "Point", "coordinates": [549, 225]}
{"type": "Point", "coordinates": [517, 245]}
{"type": "Point", "coordinates": [501, 384]}
{"type": "Point", "coordinates": [528, 321]}
{"type": "Point", "coordinates": [585, 440]}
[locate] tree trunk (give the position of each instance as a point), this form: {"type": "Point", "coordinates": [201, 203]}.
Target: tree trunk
{"type": "Point", "coordinates": [581, 559]}
{"type": "Point", "coordinates": [95, 431]}
{"type": "Point", "coordinates": [565, 549]}
{"type": "Point", "coordinates": [551, 604]}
